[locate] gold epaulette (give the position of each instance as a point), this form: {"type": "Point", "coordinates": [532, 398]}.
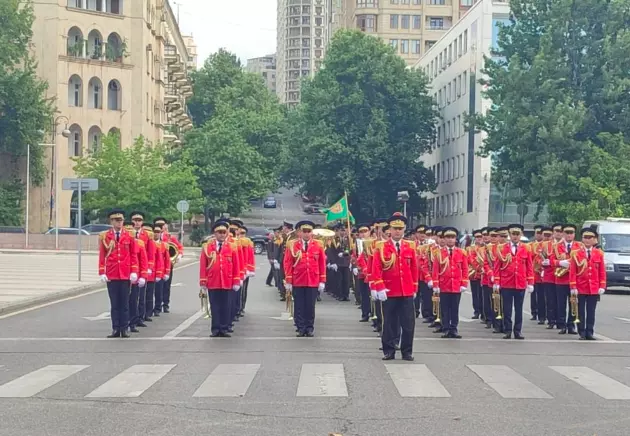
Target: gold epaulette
{"type": "Point", "coordinates": [378, 245]}
{"type": "Point", "coordinates": [245, 242]}
{"type": "Point", "coordinates": [140, 242]}
{"type": "Point", "coordinates": [233, 245]}
{"type": "Point", "coordinates": [320, 242]}
{"type": "Point", "coordinates": [101, 236]}
{"type": "Point", "coordinates": [412, 244]}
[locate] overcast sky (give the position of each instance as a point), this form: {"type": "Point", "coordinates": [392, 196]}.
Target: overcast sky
{"type": "Point", "coordinates": [244, 27]}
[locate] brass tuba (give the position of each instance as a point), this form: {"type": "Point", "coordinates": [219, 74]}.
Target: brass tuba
{"type": "Point", "coordinates": [323, 234]}
{"type": "Point", "coordinates": [173, 251]}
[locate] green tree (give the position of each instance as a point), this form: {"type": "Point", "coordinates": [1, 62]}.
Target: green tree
{"type": "Point", "coordinates": [24, 109]}
{"type": "Point", "coordinates": [558, 128]}
{"type": "Point", "coordinates": [137, 177]}
{"type": "Point", "coordinates": [363, 122]}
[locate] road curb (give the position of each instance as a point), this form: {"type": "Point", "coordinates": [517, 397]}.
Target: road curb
{"type": "Point", "coordinates": [67, 293]}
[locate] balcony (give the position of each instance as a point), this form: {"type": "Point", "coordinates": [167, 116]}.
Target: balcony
{"type": "Point", "coordinates": [170, 93]}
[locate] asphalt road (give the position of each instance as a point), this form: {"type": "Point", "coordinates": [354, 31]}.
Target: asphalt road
{"type": "Point", "coordinates": [289, 207]}
{"type": "Point", "coordinates": [59, 375]}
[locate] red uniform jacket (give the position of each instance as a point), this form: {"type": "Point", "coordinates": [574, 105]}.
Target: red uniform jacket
{"type": "Point", "coordinates": [559, 253]}
{"type": "Point", "coordinates": [162, 260]}
{"type": "Point", "coordinates": [397, 272]}
{"type": "Point", "coordinates": [424, 275]}
{"type": "Point", "coordinates": [143, 263]}
{"type": "Point", "coordinates": [248, 254]}
{"type": "Point", "coordinates": [117, 259]}
{"type": "Point", "coordinates": [586, 275]}
{"type": "Point", "coordinates": [219, 270]}
{"type": "Point", "coordinates": [513, 271]}
{"type": "Point", "coordinates": [149, 246]}
{"type": "Point", "coordinates": [304, 269]}
{"type": "Point", "coordinates": [489, 259]}
{"type": "Point", "coordinates": [536, 248]}
{"type": "Point", "coordinates": [475, 260]}
{"type": "Point", "coordinates": [450, 273]}
{"type": "Point", "coordinates": [361, 262]}
{"type": "Point", "coordinates": [167, 237]}
{"type": "Point", "coordinates": [546, 250]}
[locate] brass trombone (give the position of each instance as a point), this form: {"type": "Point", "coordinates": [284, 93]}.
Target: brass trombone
{"type": "Point", "coordinates": [436, 307]}
{"type": "Point", "coordinates": [205, 301]}
{"type": "Point", "coordinates": [496, 305]}
{"type": "Point", "coordinates": [289, 307]}
{"type": "Point", "coordinates": [573, 302]}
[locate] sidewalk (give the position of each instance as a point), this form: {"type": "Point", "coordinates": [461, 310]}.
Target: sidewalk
{"type": "Point", "coordinates": [29, 278]}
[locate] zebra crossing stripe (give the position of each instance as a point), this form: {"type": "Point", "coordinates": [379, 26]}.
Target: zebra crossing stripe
{"type": "Point", "coordinates": [322, 380]}
{"type": "Point", "coordinates": [416, 381]}
{"type": "Point", "coordinates": [228, 381]}
{"type": "Point", "coordinates": [132, 382]}
{"type": "Point", "coordinates": [595, 382]}
{"type": "Point", "coordinates": [507, 382]}
{"type": "Point", "coordinates": [35, 382]}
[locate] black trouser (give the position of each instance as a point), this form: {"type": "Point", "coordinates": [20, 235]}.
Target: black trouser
{"type": "Point", "coordinates": [119, 291]}
{"type": "Point", "coordinates": [343, 279]}
{"type": "Point", "coordinates": [477, 296]}
{"type": "Point", "coordinates": [280, 282]}
{"type": "Point", "coordinates": [133, 306]}
{"type": "Point", "coordinates": [417, 301]}
{"type": "Point", "coordinates": [159, 288]}
{"type": "Point", "coordinates": [244, 295]}
{"type": "Point", "coordinates": [427, 302]}
{"type": "Point", "coordinates": [354, 283]}
{"type": "Point", "coordinates": [399, 313]}
{"type": "Point", "coordinates": [552, 303]}
{"type": "Point", "coordinates": [304, 300]}
{"type": "Point", "coordinates": [270, 276]}
{"type": "Point", "coordinates": [364, 290]}
{"type": "Point", "coordinates": [378, 313]}
{"type": "Point", "coordinates": [586, 311]}
{"type": "Point", "coordinates": [149, 300]}
{"type": "Point", "coordinates": [514, 297]}
{"type": "Point", "coordinates": [541, 301]}
{"type": "Point", "coordinates": [220, 309]}
{"type": "Point", "coordinates": [533, 303]}
{"type": "Point", "coordinates": [564, 320]}
{"type": "Point", "coordinates": [142, 303]}
{"type": "Point", "coordinates": [449, 305]}
{"type": "Point", "coordinates": [166, 291]}
{"type": "Point", "coordinates": [488, 308]}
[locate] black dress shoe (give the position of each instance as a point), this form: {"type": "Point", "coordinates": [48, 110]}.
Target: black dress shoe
{"type": "Point", "coordinates": [215, 335]}
{"type": "Point", "coordinates": [433, 324]}
{"type": "Point", "coordinates": [141, 324]}
{"type": "Point", "coordinates": [572, 332]}
{"type": "Point", "coordinates": [562, 332]}
{"type": "Point", "coordinates": [582, 338]}
{"type": "Point", "coordinates": [591, 338]}
{"type": "Point", "coordinates": [389, 357]}
{"type": "Point", "coordinates": [438, 330]}
{"type": "Point", "coordinates": [364, 319]}
{"type": "Point", "coordinates": [124, 334]}
{"type": "Point", "coordinates": [299, 334]}
{"type": "Point", "coordinates": [134, 330]}
{"type": "Point", "coordinates": [496, 331]}
{"type": "Point", "coordinates": [226, 335]}
{"type": "Point", "coordinates": [147, 319]}
{"type": "Point", "coordinates": [156, 314]}
{"type": "Point", "coordinates": [426, 321]}
{"type": "Point", "coordinates": [446, 336]}
{"type": "Point", "coordinates": [166, 310]}
{"type": "Point", "coordinates": [456, 336]}
{"type": "Point", "coordinates": [115, 334]}
{"type": "Point", "coordinates": [408, 358]}
{"type": "Point", "coordinates": [533, 318]}
{"type": "Point", "coordinates": [541, 322]}
{"type": "Point", "coordinates": [230, 329]}
{"type": "Point", "coordinates": [550, 327]}
{"type": "Point", "coordinates": [309, 334]}
{"type": "Point", "coordinates": [507, 336]}
{"type": "Point", "coordinates": [488, 326]}
{"type": "Point", "coordinates": [475, 316]}
{"type": "Point", "coordinates": [518, 336]}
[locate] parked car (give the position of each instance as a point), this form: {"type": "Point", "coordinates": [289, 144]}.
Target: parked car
{"type": "Point", "coordinates": [270, 202]}
{"type": "Point", "coordinates": [12, 229]}
{"type": "Point", "coordinates": [67, 231]}
{"type": "Point", "coordinates": [314, 208]}
{"type": "Point", "coordinates": [95, 229]}
{"type": "Point", "coordinates": [260, 237]}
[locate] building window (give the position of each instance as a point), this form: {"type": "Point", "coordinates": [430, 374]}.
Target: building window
{"type": "Point", "coordinates": [75, 140]}
{"type": "Point", "coordinates": [466, 2]}
{"type": "Point", "coordinates": [367, 23]}
{"type": "Point", "coordinates": [415, 46]}
{"type": "Point", "coordinates": [465, 41]}
{"type": "Point", "coordinates": [436, 23]}
{"type": "Point", "coordinates": [459, 85]}
{"type": "Point", "coordinates": [393, 21]}
{"type": "Point", "coordinates": [95, 45]}
{"type": "Point", "coordinates": [448, 95]}
{"type": "Point", "coordinates": [113, 96]}
{"type": "Point", "coordinates": [394, 2]}
{"type": "Point", "coordinates": [306, 20]}
{"type": "Point", "coordinates": [94, 139]}
{"type": "Point", "coordinates": [75, 91]}
{"type": "Point", "coordinates": [367, 3]}
{"type": "Point", "coordinates": [460, 130]}
{"type": "Point", "coordinates": [404, 46]}
{"type": "Point", "coordinates": [416, 2]}
{"type": "Point", "coordinates": [437, 2]}
{"type": "Point", "coordinates": [394, 44]}
{"type": "Point", "coordinates": [95, 91]}
{"type": "Point", "coordinates": [439, 136]}
{"type": "Point", "coordinates": [404, 2]}
{"type": "Point", "coordinates": [464, 82]}
{"type": "Point", "coordinates": [448, 132]}
{"type": "Point", "coordinates": [417, 21]}
{"type": "Point", "coordinates": [404, 21]}
{"type": "Point", "coordinates": [76, 44]}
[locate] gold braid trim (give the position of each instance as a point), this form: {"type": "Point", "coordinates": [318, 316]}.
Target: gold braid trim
{"type": "Point", "coordinates": [505, 260]}
{"type": "Point", "coordinates": [108, 246]}
{"type": "Point", "coordinates": [297, 256]}
{"type": "Point", "coordinates": [211, 255]}
{"type": "Point", "coordinates": [582, 266]}
{"type": "Point", "coordinates": [444, 263]}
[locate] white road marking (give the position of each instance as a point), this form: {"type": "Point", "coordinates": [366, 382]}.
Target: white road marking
{"type": "Point", "coordinates": [595, 382]}
{"type": "Point", "coordinates": [604, 338]}
{"type": "Point", "coordinates": [625, 320]}
{"type": "Point", "coordinates": [183, 326]}
{"type": "Point", "coordinates": [507, 382]}
{"type": "Point", "coordinates": [416, 381]}
{"type": "Point", "coordinates": [101, 317]}
{"type": "Point", "coordinates": [74, 297]}
{"type": "Point", "coordinates": [322, 380]}
{"type": "Point", "coordinates": [132, 382]}
{"type": "Point", "coordinates": [228, 380]}
{"type": "Point", "coordinates": [39, 380]}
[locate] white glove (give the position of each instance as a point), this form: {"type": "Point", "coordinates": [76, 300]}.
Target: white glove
{"type": "Point", "coordinates": [288, 287]}
{"type": "Point", "coordinates": [463, 289]}
{"type": "Point", "coordinates": [414, 294]}
{"type": "Point", "coordinates": [546, 262]}
{"type": "Point", "coordinates": [141, 282]}
{"type": "Point", "coordinates": [157, 279]}
{"type": "Point", "coordinates": [180, 257]}
{"type": "Point", "coordinates": [276, 265]}
{"type": "Point", "coordinates": [564, 263]}
{"type": "Point", "coordinates": [235, 288]}
{"type": "Point", "coordinates": [355, 271]}
{"type": "Point", "coordinates": [436, 291]}
{"type": "Point", "coordinates": [529, 289]}
{"type": "Point", "coordinates": [133, 277]}
{"type": "Point", "coordinates": [329, 266]}
{"type": "Point", "coordinates": [373, 294]}
{"type": "Point", "coordinates": [430, 284]}
{"type": "Point", "coordinates": [321, 287]}
{"type": "Point", "coordinates": [166, 277]}
{"type": "Point", "coordinates": [381, 295]}
{"type": "Point", "coordinates": [104, 278]}
{"type": "Point", "coordinates": [334, 267]}
{"type": "Point", "coordinates": [542, 274]}
{"type": "Point", "coordinates": [251, 273]}
{"type": "Point", "coordinates": [149, 271]}
{"type": "Point", "coordinates": [574, 292]}
{"type": "Point", "coordinates": [601, 291]}
{"type": "Point", "coordinates": [204, 289]}
{"type": "Point", "coordinates": [241, 284]}
{"type": "Point", "coordinates": [496, 287]}
{"type": "Point", "coordinates": [340, 255]}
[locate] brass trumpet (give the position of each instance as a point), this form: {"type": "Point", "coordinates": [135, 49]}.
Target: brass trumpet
{"type": "Point", "coordinates": [496, 305]}
{"type": "Point", "coordinates": [573, 302]}
{"type": "Point", "coordinates": [289, 307]}
{"type": "Point", "coordinates": [203, 296]}
{"type": "Point", "coordinates": [436, 307]}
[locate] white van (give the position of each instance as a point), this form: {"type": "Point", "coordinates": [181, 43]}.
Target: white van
{"type": "Point", "coordinates": [614, 238]}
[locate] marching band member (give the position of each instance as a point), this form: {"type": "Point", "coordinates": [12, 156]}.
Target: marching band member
{"type": "Point", "coordinates": [168, 239]}
{"type": "Point", "coordinates": [587, 279]}
{"type": "Point", "coordinates": [146, 244]}
{"type": "Point", "coordinates": [538, 302]}
{"type": "Point", "coordinates": [118, 267]}
{"type": "Point", "coordinates": [250, 263]}
{"type": "Point", "coordinates": [548, 275]}
{"type": "Point", "coordinates": [136, 288]}
{"type": "Point", "coordinates": [425, 284]}
{"type": "Point", "coordinates": [379, 233]}
{"type": "Point", "coordinates": [450, 279]}
{"type": "Point", "coordinates": [439, 243]}
{"type": "Point", "coordinates": [305, 274]}
{"type": "Point", "coordinates": [395, 279]}
{"type": "Point", "coordinates": [475, 262]}
{"type": "Point", "coordinates": [147, 310]}
{"type": "Point", "coordinates": [513, 277]}
{"type": "Point", "coordinates": [560, 260]}
{"type": "Point", "coordinates": [287, 228]}
{"type": "Point", "coordinates": [487, 280]}
{"type": "Point", "coordinates": [362, 285]}
{"type": "Point", "coordinates": [163, 267]}
{"type": "Point", "coordinates": [220, 276]}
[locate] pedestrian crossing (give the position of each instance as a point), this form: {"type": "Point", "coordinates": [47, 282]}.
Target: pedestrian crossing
{"type": "Point", "coordinates": [409, 380]}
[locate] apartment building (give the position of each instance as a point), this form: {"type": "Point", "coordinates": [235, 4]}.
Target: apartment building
{"type": "Point", "coordinates": [191, 46]}
{"type": "Point", "coordinates": [465, 196]}
{"type": "Point", "coordinates": [303, 31]}
{"type": "Point", "coordinates": [265, 66]}
{"type": "Point", "coordinates": [113, 66]}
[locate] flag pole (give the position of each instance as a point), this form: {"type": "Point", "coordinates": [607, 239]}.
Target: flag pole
{"type": "Point", "coordinates": [348, 221]}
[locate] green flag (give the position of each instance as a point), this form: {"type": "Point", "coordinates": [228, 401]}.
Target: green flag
{"type": "Point", "coordinates": [339, 211]}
